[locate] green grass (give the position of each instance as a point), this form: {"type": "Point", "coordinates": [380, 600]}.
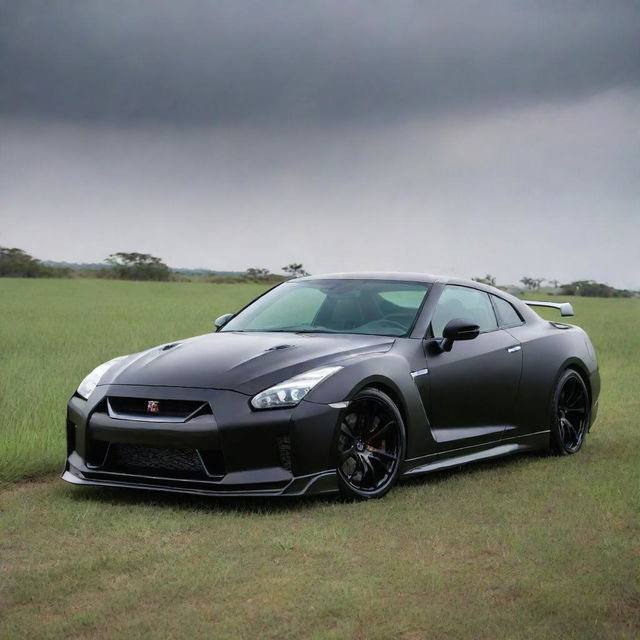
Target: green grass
{"type": "Point", "coordinates": [530, 547]}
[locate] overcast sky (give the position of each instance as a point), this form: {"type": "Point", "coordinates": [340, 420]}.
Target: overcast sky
{"type": "Point", "coordinates": [451, 137]}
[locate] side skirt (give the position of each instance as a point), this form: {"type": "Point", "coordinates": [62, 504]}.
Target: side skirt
{"type": "Point", "coordinates": [464, 455]}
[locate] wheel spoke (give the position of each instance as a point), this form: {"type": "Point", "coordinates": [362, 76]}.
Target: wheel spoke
{"type": "Point", "coordinates": [569, 433]}
{"type": "Point", "coordinates": [346, 429]}
{"type": "Point", "coordinates": [369, 467]}
{"type": "Point", "coordinates": [362, 423]}
{"type": "Point", "coordinates": [380, 461]}
{"type": "Point", "coordinates": [361, 466]}
{"type": "Point", "coordinates": [573, 396]}
{"type": "Point", "coordinates": [380, 452]}
{"type": "Point", "coordinates": [345, 455]}
{"type": "Point", "coordinates": [561, 428]}
{"type": "Point", "coordinates": [383, 429]}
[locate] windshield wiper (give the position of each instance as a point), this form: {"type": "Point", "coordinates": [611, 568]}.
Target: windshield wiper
{"type": "Point", "coordinates": [301, 330]}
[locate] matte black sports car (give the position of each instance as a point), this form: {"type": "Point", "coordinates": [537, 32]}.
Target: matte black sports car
{"type": "Point", "coordinates": [340, 383]}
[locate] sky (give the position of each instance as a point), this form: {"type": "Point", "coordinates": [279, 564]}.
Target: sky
{"type": "Point", "coordinates": [458, 138]}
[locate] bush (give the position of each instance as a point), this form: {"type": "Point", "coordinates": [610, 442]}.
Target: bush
{"type": "Point", "coordinates": [136, 266]}
{"type": "Point", "coordinates": [593, 289]}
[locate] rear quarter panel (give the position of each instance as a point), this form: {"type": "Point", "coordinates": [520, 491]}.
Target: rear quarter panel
{"type": "Point", "coordinates": [548, 350]}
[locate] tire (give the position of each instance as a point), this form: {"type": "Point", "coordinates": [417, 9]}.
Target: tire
{"type": "Point", "coordinates": [370, 446]}
{"type": "Point", "coordinates": [570, 414]}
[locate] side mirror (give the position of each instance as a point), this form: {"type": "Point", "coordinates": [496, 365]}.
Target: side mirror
{"type": "Point", "coordinates": [222, 320]}
{"type": "Point", "coordinates": [458, 329]}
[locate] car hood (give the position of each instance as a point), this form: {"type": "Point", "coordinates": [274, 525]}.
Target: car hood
{"type": "Point", "coordinates": [244, 362]}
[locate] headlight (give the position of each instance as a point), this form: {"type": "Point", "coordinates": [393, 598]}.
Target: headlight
{"type": "Point", "coordinates": [290, 392]}
{"type": "Point", "coordinates": [89, 383]}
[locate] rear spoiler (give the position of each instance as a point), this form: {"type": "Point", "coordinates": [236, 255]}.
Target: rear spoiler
{"type": "Point", "coordinates": [565, 308]}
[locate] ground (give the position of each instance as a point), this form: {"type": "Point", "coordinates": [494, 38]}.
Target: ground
{"type": "Point", "coordinates": [527, 547]}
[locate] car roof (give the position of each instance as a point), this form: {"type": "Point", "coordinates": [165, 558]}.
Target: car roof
{"type": "Point", "coordinates": [375, 275]}
{"type": "Point", "coordinates": [408, 276]}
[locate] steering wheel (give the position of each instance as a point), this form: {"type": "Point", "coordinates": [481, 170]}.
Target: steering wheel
{"type": "Point", "coordinates": [386, 322]}
{"type": "Point", "coordinates": [404, 316]}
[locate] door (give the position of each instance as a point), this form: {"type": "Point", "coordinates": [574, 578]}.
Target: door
{"type": "Point", "coordinates": [472, 388]}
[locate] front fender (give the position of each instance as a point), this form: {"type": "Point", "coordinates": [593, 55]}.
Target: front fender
{"type": "Point", "coordinates": [390, 373]}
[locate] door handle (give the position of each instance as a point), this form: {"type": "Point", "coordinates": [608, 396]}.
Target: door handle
{"type": "Point", "coordinates": [513, 349]}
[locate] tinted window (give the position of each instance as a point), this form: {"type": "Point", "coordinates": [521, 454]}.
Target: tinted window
{"type": "Point", "coordinates": [409, 299]}
{"type": "Point", "coordinates": [375, 307]}
{"type": "Point", "coordinates": [507, 315]}
{"type": "Point", "coordinates": [296, 306]}
{"type": "Point", "coordinates": [466, 304]}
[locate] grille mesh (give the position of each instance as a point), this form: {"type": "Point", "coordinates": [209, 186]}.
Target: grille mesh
{"type": "Point", "coordinates": [140, 458]}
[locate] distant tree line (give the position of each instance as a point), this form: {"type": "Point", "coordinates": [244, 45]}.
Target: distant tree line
{"type": "Point", "coordinates": [587, 288]}
{"type": "Point", "coordinates": [293, 270]}
{"type": "Point", "coordinates": [122, 265]}
{"type": "Point", "coordinates": [16, 263]}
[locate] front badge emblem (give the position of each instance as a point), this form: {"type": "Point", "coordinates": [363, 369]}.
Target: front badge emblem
{"type": "Point", "coordinates": [153, 406]}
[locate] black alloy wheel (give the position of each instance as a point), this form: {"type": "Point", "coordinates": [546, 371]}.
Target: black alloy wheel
{"type": "Point", "coordinates": [571, 412]}
{"type": "Point", "coordinates": [371, 445]}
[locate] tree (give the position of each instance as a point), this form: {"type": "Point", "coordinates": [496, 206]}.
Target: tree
{"type": "Point", "coordinates": [593, 289]}
{"type": "Point", "coordinates": [17, 263]}
{"type": "Point", "coordinates": [257, 273]}
{"type": "Point", "coordinates": [554, 283]}
{"type": "Point", "coordinates": [488, 279]}
{"type": "Point", "coordinates": [533, 284]}
{"type": "Point", "coordinates": [295, 270]}
{"type": "Point", "coordinates": [138, 266]}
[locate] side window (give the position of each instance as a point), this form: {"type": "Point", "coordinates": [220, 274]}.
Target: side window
{"type": "Point", "coordinates": [507, 315]}
{"type": "Point", "coordinates": [465, 303]}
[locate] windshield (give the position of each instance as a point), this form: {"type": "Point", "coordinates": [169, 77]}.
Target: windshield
{"type": "Point", "coordinates": [374, 307]}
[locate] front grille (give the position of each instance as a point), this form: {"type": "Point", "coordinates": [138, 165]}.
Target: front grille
{"type": "Point", "coordinates": [160, 461]}
{"type": "Point", "coordinates": [148, 408]}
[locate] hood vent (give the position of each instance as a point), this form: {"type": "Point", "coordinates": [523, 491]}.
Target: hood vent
{"type": "Point", "coordinates": [278, 347]}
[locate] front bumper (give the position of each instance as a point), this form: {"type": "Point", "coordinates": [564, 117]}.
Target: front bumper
{"type": "Point", "coordinates": [282, 452]}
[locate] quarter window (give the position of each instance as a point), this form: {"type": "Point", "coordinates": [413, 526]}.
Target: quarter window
{"type": "Point", "coordinates": [507, 315]}
{"type": "Point", "coordinates": [464, 303]}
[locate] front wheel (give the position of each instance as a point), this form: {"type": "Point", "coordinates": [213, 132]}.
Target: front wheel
{"type": "Point", "coordinates": [370, 446]}
{"type": "Point", "coordinates": [570, 414]}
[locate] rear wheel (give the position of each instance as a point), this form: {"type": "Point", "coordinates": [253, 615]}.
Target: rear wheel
{"type": "Point", "coordinates": [570, 414]}
{"type": "Point", "coordinates": [371, 445]}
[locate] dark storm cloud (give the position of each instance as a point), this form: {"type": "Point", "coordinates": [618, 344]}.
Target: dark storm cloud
{"type": "Point", "coordinates": [192, 61]}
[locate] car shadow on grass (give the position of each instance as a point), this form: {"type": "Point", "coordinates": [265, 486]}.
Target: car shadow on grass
{"type": "Point", "coordinates": [189, 502]}
{"type": "Point", "coordinates": [267, 505]}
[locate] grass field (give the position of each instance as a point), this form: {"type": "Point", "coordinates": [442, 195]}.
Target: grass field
{"type": "Point", "coordinates": [531, 547]}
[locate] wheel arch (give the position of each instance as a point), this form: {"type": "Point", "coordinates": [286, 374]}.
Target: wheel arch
{"type": "Point", "coordinates": [579, 367]}
{"type": "Point", "coordinates": [389, 373]}
{"type": "Point", "coordinates": [388, 387]}
{"type": "Point", "coordinates": [393, 393]}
